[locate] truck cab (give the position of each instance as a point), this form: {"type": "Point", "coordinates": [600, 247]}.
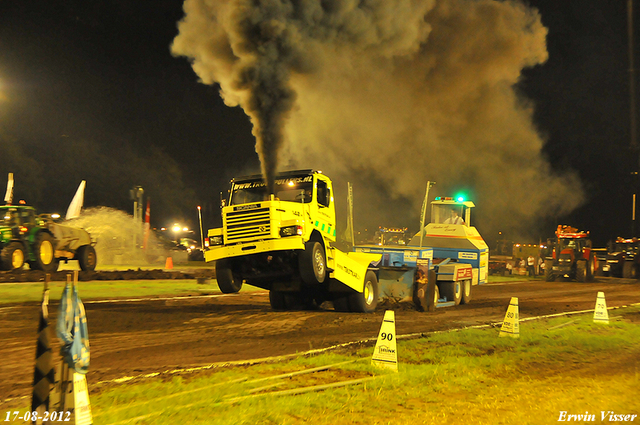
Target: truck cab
{"type": "Point", "coordinates": [283, 240]}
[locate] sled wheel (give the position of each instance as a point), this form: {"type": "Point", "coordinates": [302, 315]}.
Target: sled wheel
{"type": "Point", "coordinates": [466, 291]}
{"type": "Point", "coordinates": [452, 291]}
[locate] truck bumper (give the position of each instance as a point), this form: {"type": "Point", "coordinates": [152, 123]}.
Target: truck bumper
{"type": "Point", "coordinates": [247, 248]}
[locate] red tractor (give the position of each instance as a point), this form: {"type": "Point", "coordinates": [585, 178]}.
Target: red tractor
{"type": "Point", "coordinates": [571, 257]}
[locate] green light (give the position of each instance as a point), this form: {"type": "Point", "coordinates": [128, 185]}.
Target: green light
{"type": "Point", "coordinates": [460, 198]}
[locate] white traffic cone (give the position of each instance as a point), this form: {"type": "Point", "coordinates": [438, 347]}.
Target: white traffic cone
{"type": "Point", "coordinates": [601, 315]}
{"type": "Point", "coordinates": [511, 325]}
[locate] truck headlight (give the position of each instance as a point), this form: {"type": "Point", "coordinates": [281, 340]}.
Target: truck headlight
{"type": "Point", "coordinates": [291, 231]}
{"type": "Point", "coordinates": [216, 240]}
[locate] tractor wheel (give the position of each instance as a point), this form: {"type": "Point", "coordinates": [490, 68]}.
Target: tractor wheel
{"type": "Point", "coordinates": [229, 281]}
{"type": "Point", "coordinates": [581, 271]}
{"type": "Point", "coordinates": [86, 256]}
{"type": "Point", "coordinates": [548, 270]}
{"type": "Point", "coordinates": [277, 300]}
{"type": "Point", "coordinates": [313, 263]}
{"type": "Point", "coordinates": [12, 256]}
{"type": "Point", "coordinates": [452, 291]}
{"type": "Point", "coordinates": [367, 300]}
{"type": "Point", "coordinates": [629, 270]}
{"type": "Point", "coordinates": [466, 291]}
{"type": "Point", "coordinates": [591, 268]}
{"type": "Point", "coordinates": [43, 250]}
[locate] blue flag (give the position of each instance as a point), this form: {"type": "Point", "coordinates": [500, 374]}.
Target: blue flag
{"type": "Point", "coordinates": [72, 330]}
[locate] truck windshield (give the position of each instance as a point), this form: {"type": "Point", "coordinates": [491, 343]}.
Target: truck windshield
{"type": "Point", "coordinates": [294, 189]}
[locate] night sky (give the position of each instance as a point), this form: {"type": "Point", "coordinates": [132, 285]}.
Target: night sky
{"type": "Point", "coordinates": [90, 90]}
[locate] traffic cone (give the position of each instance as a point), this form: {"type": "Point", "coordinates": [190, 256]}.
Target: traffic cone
{"type": "Point", "coordinates": [601, 315]}
{"type": "Point", "coordinates": [385, 354]}
{"type": "Point", "coordinates": [169, 263]}
{"type": "Point", "coordinates": [511, 324]}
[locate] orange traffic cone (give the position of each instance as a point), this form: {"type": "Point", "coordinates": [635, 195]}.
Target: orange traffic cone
{"type": "Point", "coordinates": [169, 264]}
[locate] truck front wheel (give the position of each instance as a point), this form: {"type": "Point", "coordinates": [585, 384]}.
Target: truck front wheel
{"type": "Point", "coordinates": [313, 263]}
{"type": "Point", "coordinates": [12, 256]}
{"type": "Point", "coordinates": [87, 258]}
{"type": "Point", "coordinates": [228, 281]}
{"type": "Point", "coordinates": [367, 300]}
{"type": "Point", "coordinates": [43, 250]}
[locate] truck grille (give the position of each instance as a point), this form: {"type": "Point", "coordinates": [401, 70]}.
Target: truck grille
{"type": "Point", "coordinates": [248, 225]}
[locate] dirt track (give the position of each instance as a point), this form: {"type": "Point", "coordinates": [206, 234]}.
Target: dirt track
{"type": "Point", "coordinates": [153, 335]}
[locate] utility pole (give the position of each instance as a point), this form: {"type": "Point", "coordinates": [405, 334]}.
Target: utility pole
{"type": "Point", "coordinates": [632, 115]}
{"type": "Point", "coordinates": [136, 196]}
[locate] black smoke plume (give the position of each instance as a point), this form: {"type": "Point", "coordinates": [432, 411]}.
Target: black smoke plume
{"type": "Point", "coordinates": [389, 94]}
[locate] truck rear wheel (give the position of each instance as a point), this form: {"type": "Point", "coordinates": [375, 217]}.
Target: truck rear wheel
{"type": "Point", "coordinates": [277, 300]}
{"type": "Point", "coordinates": [313, 263]}
{"type": "Point", "coordinates": [466, 291]}
{"type": "Point", "coordinates": [87, 258]}
{"type": "Point", "coordinates": [452, 291]}
{"type": "Point", "coordinates": [341, 304]}
{"type": "Point", "coordinates": [12, 256]}
{"type": "Point", "coordinates": [367, 300]}
{"type": "Point", "coordinates": [229, 282]}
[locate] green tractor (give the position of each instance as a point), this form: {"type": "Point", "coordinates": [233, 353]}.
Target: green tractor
{"type": "Point", "coordinates": [37, 240]}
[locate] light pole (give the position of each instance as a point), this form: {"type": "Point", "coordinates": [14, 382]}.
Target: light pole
{"type": "Point", "coordinates": [201, 234]}
{"type": "Point", "coordinates": [632, 114]}
{"type": "Point", "coordinates": [136, 196]}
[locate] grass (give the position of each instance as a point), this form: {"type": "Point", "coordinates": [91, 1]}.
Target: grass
{"type": "Point", "coordinates": [469, 376]}
{"type": "Point", "coordinates": [98, 289]}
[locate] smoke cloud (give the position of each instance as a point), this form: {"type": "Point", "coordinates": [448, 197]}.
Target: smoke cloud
{"type": "Point", "coordinates": [388, 94]}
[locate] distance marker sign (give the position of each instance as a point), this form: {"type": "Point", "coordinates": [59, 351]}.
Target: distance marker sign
{"type": "Point", "coordinates": [386, 354]}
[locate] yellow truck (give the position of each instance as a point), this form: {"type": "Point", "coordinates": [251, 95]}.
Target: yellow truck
{"type": "Point", "coordinates": [284, 240]}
